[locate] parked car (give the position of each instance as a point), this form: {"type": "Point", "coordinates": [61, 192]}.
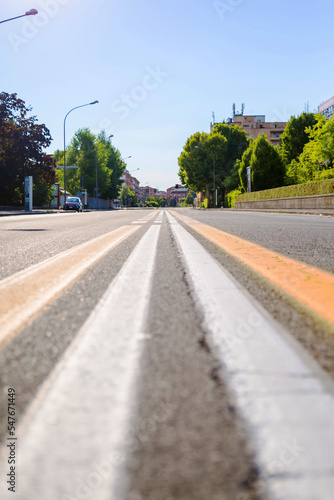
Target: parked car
{"type": "Point", "coordinates": [73, 203]}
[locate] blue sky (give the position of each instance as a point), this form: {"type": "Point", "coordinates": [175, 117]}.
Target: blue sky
{"type": "Point", "coordinates": [160, 68]}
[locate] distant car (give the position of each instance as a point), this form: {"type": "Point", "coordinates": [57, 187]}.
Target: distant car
{"type": "Point", "coordinates": [73, 203]}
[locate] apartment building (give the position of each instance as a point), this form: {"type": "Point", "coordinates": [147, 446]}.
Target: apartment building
{"type": "Point", "coordinates": [175, 194]}
{"type": "Point", "coordinates": [131, 182]}
{"type": "Point", "coordinates": [161, 194]}
{"type": "Point", "coordinates": [327, 108]}
{"type": "Point", "coordinates": [146, 192]}
{"type": "Point", "coordinates": [256, 125]}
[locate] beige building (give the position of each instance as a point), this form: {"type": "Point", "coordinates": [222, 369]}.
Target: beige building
{"type": "Point", "coordinates": [327, 108]}
{"type": "Point", "coordinates": [255, 125]}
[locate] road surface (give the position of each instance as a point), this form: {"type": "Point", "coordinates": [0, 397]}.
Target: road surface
{"type": "Point", "coordinates": [167, 354]}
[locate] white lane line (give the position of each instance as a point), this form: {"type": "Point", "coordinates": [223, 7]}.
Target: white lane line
{"type": "Point", "coordinates": [286, 400]}
{"type": "Point", "coordinates": [159, 219]}
{"type": "Point", "coordinates": [75, 433]}
{"type": "Point", "coordinates": [26, 292]}
{"type": "Point", "coordinates": [147, 219]}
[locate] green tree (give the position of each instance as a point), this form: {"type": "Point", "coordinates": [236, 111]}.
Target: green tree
{"type": "Point", "coordinates": [22, 141]}
{"type": "Point", "coordinates": [316, 162]}
{"type": "Point", "coordinates": [244, 163]}
{"type": "Point", "coordinates": [95, 157]}
{"type": "Point", "coordinates": [267, 168]}
{"type": "Point", "coordinates": [196, 161]}
{"type": "Point", "coordinates": [128, 197]}
{"type": "Point", "coordinates": [237, 143]}
{"type": "Point", "coordinates": [295, 136]}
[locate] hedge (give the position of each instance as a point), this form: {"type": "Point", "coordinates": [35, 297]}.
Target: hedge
{"type": "Point", "coordinates": [308, 189]}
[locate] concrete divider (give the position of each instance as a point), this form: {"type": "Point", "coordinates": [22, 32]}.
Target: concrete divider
{"type": "Point", "coordinates": [322, 202]}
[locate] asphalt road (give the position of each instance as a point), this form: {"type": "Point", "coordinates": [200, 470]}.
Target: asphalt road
{"type": "Point", "coordinates": [186, 438]}
{"type": "Point", "coordinates": [306, 238]}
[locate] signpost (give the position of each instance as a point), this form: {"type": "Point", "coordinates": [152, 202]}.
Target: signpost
{"type": "Point", "coordinates": [28, 193]}
{"type": "Point", "coordinates": [249, 180]}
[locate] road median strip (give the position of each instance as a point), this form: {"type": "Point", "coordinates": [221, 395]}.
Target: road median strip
{"type": "Point", "coordinates": [311, 287]}
{"type": "Point", "coordinates": [25, 293]}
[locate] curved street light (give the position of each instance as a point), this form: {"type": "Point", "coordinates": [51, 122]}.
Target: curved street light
{"type": "Point", "coordinates": [31, 12]}
{"type": "Point", "coordinates": [214, 174]}
{"type": "Point", "coordinates": [70, 111]}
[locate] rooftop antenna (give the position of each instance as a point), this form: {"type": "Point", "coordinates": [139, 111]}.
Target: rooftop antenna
{"type": "Point", "coordinates": [233, 108]}
{"type": "Point", "coordinates": [242, 108]}
{"type": "Point", "coordinates": [213, 118]}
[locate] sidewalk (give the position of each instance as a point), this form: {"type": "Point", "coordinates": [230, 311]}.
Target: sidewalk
{"type": "Point", "coordinates": [36, 211]}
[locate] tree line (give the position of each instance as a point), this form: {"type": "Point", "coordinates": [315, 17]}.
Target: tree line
{"type": "Point", "coordinates": [99, 165]}
{"type": "Point", "coordinates": [22, 144]}
{"type": "Point", "coordinates": [22, 141]}
{"type": "Point", "coordinates": [306, 153]}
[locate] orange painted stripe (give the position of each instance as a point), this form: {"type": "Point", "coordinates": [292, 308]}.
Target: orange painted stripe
{"type": "Point", "coordinates": [310, 286]}
{"type": "Point", "coordinates": [24, 294]}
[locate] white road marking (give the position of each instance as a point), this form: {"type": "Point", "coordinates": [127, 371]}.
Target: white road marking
{"type": "Point", "coordinates": [72, 441]}
{"type": "Point", "coordinates": [24, 293]}
{"type": "Point", "coordinates": [286, 400]}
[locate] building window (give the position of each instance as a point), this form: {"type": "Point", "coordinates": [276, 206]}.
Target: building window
{"type": "Point", "coordinates": [275, 126]}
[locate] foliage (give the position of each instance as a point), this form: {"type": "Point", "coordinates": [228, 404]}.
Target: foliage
{"type": "Point", "coordinates": [307, 189]}
{"type": "Point", "coordinates": [188, 200]}
{"type": "Point", "coordinates": [152, 202]}
{"type": "Point", "coordinates": [42, 194]}
{"type": "Point", "coordinates": [237, 143]}
{"type": "Point", "coordinates": [22, 141]}
{"type": "Point", "coordinates": [267, 168]}
{"type": "Point", "coordinates": [99, 163]}
{"type": "Point", "coordinates": [244, 164]}
{"type": "Point", "coordinates": [295, 135]}
{"type": "Point", "coordinates": [205, 153]}
{"type": "Point", "coordinates": [232, 196]}
{"type": "Point", "coordinates": [233, 180]}
{"type": "Point", "coordinates": [317, 159]}
{"type": "Point", "coordinates": [196, 161]}
{"type": "Point", "coordinates": [128, 197]}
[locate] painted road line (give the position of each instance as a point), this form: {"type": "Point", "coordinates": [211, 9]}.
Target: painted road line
{"type": "Point", "coordinates": [285, 399]}
{"type": "Point", "coordinates": [310, 286]}
{"type": "Point", "coordinates": [160, 217]}
{"type": "Point", "coordinates": [25, 293]}
{"type": "Point", "coordinates": [73, 439]}
{"type": "Point", "coordinates": [146, 219]}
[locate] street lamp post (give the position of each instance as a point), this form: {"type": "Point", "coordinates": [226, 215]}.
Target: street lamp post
{"type": "Point", "coordinates": [214, 175]}
{"type": "Point", "coordinates": [31, 12]}
{"type": "Point", "coordinates": [70, 111]}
